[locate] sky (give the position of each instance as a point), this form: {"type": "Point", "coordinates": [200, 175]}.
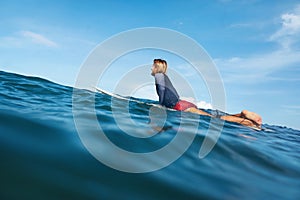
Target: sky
{"type": "Point", "coordinates": [255, 45]}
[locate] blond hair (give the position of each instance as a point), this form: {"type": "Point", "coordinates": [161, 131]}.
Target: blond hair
{"type": "Point", "coordinates": [161, 65]}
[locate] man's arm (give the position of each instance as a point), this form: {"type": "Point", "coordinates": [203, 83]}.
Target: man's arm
{"type": "Point", "coordinates": [160, 87]}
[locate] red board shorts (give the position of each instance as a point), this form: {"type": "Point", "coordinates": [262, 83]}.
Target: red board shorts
{"type": "Point", "coordinates": [183, 105]}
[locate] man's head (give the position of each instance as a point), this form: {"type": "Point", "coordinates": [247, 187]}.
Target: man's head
{"type": "Point", "coordinates": [159, 66]}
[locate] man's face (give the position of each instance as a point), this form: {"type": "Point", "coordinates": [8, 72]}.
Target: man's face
{"type": "Point", "coordinates": [153, 70]}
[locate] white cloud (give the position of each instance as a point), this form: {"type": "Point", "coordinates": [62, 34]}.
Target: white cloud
{"type": "Point", "coordinates": [256, 68]}
{"type": "Point", "coordinates": [204, 105]}
{"type": "Point", "coordinates": [289, 31]}
{"type": "Point", "coordinates": [25, 39]}
{"type": "Point", "coordinates": [200, 104]}
{"type": "Point", "coordinates": [38, 38]}
{"type": "Point", "coordinates": [258, 65]}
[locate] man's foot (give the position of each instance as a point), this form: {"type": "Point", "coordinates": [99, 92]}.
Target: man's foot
{"type": "Point", "coordinates": [252, 116]}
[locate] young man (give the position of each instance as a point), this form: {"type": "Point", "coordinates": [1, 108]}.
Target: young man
{"type": "Point", "coordinates": [169, 98]}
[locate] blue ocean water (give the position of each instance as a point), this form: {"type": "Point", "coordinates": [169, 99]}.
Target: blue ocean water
{"type": "Point", "coordinates": [43, 156]}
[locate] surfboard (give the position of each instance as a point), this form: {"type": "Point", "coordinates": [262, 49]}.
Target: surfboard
{"type": "Point", "coordinates": [110, 94]}
{"type": "Point", "coordinates": [127, 98]}
{"type": "Point", "coordinates": [152, 104]}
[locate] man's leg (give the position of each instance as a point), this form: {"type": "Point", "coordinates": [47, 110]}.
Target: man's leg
{"type": "Point", "coordinates": [197, 111]}
{"type": "Point", "coordinates": [238, 118]}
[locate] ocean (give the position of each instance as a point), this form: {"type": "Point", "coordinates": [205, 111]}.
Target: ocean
{"type": "Point", "coordinates": [49, 150]}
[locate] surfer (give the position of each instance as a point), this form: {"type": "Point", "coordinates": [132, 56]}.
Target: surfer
{"type": "Point", "coordinates": [169, 98]}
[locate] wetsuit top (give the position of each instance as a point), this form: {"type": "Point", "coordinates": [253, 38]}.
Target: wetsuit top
{"type": "Point", "coordinates": [167, 93]}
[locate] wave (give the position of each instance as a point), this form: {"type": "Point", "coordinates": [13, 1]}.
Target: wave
{"type": "Point", "coordinates": [46, 154]}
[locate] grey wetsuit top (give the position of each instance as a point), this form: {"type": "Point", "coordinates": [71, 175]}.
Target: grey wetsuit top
{"type": "Point", "coordinates": [168, 95]}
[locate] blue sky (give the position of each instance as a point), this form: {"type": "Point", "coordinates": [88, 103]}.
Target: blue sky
{"type": "Point", "coordinates": [254, 44]}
